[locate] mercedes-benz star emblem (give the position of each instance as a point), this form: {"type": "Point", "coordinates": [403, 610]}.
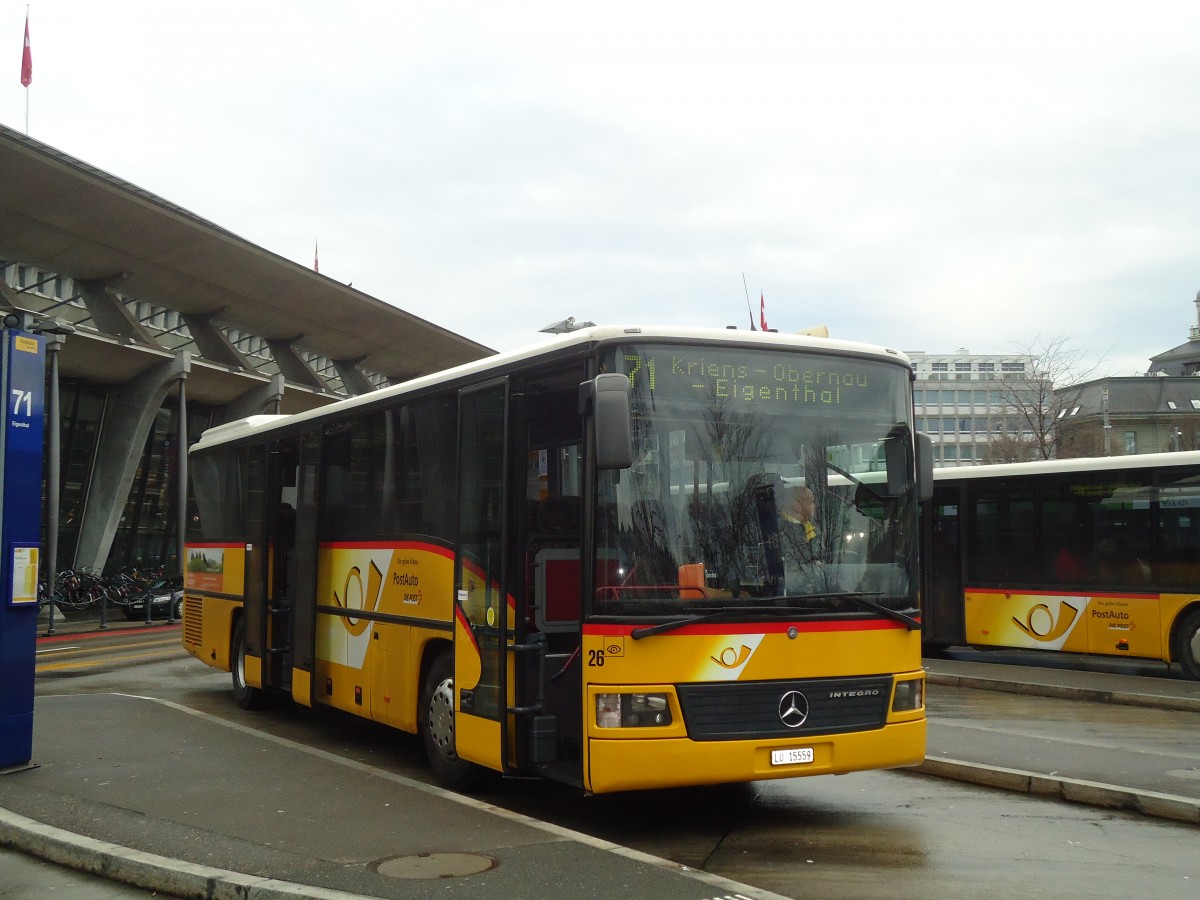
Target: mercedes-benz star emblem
{"type": "Point", "coordinates": [793, 709]}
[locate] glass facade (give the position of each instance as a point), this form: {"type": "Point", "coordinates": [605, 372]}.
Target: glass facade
{"type": "Point", "coordinates": [82, 412]}
{"type": "Point", "coordinates": [146, 534]}
{"type": "Point", "coordinates": [962, 419]}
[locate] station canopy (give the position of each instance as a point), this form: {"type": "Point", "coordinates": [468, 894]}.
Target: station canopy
{"type": "Point", "coordinates": [64, 216]}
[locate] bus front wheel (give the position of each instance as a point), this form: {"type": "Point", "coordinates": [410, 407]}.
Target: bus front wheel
{"type": "Point", "coordinates": [437, 728]}
{"type": "Point", "coordinates": [1187, 644]}
{"type": "Point", "coordinates": [247, 697]}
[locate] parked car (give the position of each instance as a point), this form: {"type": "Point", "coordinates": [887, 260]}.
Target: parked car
{"type": "Point", "coordinates": [165, 596]}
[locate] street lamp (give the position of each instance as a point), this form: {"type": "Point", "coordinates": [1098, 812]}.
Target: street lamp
{"type": "Point", "coordinates": [55, 330]}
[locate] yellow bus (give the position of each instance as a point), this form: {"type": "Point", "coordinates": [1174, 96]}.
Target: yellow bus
{"type": "Point", "coordinates": [573, 561]}
{"type": "Point", "coordinates": [1095, 556]}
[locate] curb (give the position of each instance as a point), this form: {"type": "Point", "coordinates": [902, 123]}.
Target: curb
{"type": "Point", "coordinates": [148, 870]}
{"type": "Point", "coordinates": [1070, 790]}
{"type": "Point", "coordinates": [1091, 695]}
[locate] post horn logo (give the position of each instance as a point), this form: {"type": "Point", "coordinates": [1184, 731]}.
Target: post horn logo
{"type": "Point", "coordinates": [1043, 625]}
{"type": "Point", "coordinates": [731, 658]}
{"type": "Point", "coordinates": [357, 597]}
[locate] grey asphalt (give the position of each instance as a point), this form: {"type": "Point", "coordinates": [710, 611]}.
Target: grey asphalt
{"type": "Point", "coordinates": [154, 794]}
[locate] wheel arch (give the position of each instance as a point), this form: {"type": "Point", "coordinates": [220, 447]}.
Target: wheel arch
{"type": "Point", "coordinates": [430, 652]}
{"type": "Point", "coordinates": [1186, 613]}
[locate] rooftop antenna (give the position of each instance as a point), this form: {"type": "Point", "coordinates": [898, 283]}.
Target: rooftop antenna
{"type": "Point", "coordinates": [748, 309]}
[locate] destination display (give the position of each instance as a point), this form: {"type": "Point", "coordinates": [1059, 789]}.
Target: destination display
{"type": "Point", "coordinates": [770, 378]}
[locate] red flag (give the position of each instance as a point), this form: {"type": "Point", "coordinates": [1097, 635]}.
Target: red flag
{"type": "Point", "coordinates": [26, 58]}
{"type": "Point", "coordinates": [762, 312]}
{"type": "Point", "coordinates": [316, 265]}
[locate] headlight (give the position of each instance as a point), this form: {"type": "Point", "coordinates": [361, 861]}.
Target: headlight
{"type": "Point", "coordinates": [632, 710]}
{"type": "Point", "coordinates": [908, 695]}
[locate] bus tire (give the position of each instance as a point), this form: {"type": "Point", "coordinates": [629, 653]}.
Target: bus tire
{"type": "Point", "coordinates": [437, 727]}
{"type": "Point", "coordinates": [247, 697]}
{"type": "Point", "coordinates": [1187, 644]}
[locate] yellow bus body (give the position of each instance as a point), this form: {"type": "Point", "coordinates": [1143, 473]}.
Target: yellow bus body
{"type": "Point", "coordinates": [619, 765]}
{"type": "Point", "coordinates": [439, 556]}
{"type": "Point", "coordinates": [1111, 624]}
{"type": "Point", "coordinates": [620, 759]}
{"type": "Point", "coordinates": [374, 669]}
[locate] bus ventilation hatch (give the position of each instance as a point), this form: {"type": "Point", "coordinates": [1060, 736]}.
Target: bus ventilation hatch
{"type": "Point", "coordinates": [192, 621]}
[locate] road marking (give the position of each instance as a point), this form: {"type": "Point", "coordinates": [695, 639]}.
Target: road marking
{"type": "Point", "coordinates": [58, 667]}
{"type": "Point", "coordinates": [104, 648]}
{"type": "Point", "coordinates": [1083, 741]}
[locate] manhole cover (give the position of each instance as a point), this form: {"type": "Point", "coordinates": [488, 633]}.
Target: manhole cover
{"type": "Point", "coordinates": [1184, 773]}
{"type": "Point", "coordinates": [435, 865]}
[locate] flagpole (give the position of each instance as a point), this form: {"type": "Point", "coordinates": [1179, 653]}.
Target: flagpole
{"type": "Point", "coordinates": [26, 68]}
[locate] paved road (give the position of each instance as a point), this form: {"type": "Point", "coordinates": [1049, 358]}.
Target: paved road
{"type": "Point", "coordinates": [867, 835]}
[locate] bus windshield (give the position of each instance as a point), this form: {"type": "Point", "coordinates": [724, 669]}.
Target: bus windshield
{"type": "Point", "coordinates": [760, 478]}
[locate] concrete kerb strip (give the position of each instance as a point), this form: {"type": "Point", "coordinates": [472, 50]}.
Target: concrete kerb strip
{"type": "Point", "coordinates": [147, 870]}
{"type": "Point", "coordinates": [1064, 692]}
{"type": "Point", "coordinates": [1071, 790]}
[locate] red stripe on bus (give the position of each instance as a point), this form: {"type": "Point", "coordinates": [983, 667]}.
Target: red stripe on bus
{"type": "Point", "coordinates": [1008, 592]}
{"type": "Point", "coordinates": [466, 627]}
{"type": "Point", "coordinates": [473, 568]}
{"type": "Point", "coordinates": [754, 627]}
{"type": "Point", "coordinates": [399, 545]}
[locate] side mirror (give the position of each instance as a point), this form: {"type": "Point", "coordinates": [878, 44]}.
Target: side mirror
{"type": "Point", "coordinates": [606, 398]}
{"type": "Point", "coordinates": [895, 455]}
{"type": "Point", "coordinates": [924, 467]}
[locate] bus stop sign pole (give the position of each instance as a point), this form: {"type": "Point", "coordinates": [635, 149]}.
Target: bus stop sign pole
{"type": "Point", "coordinates": [22, 387]}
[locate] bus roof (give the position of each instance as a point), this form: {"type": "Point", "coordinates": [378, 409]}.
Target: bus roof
{"type": "Point", "coordinates": [582, 339]}
{"type": "Point", "coordinates": [1081, 465]}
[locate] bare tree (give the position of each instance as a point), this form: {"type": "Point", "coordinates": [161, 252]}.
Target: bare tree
{"type": "Point", "coordinates": [1074, 444]}
{"type": "Point", "coordinates": [1050, 385]}
{"type": "Point", "coordinates": [1007, 448]}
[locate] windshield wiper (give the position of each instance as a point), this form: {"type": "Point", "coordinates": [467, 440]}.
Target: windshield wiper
{"type": "Point", "coordinates": [854, 597]}
{"type": "Point", "coordinates": [861, 599]}
{"type": "Point", "coordinates": [649, 630]}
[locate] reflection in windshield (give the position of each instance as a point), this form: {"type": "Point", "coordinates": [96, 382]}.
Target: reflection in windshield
{"type": "Point", "coordinates": [736, 498]}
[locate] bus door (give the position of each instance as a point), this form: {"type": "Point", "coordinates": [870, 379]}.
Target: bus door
{"type": "Point", "coordinates": [298, 562]}
{"type": "Point", "coordinates": [550, 575]}
{"type": "Point", "coordinates": [482, 611]}
{"type": "Point", "coordinates": [271, 560]}
{"type": "Point", "coordinates": [292, 568]}
{"type": "Point", "coordinates": [942, 565]}
{"type": "Point", "coordinates": [257, 578]}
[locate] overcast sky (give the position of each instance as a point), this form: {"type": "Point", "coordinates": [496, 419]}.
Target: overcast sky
{"type": "Point", "coordinates": [928, 176]}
